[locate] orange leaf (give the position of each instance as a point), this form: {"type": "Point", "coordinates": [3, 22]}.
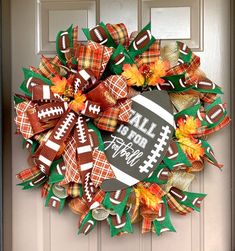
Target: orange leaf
{"type": "Point", "coordinates": [149, 199]}
{"type": "Point", "coordinates": [192, 148]}
{"type": "Point", "coordinates": [157, 71]}
{"type": "Point", "coordinates": [188, 127]}
{"type": "Point", "coordinates": [185, 135]}
{"type": "Point", "coordinates": [78, 104]}
{"type": "Point", "coordinates": [59, 85]}
{"type": "Point", "coordinates": [132, 75]}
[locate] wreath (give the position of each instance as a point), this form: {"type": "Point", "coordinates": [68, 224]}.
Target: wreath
{"type": "Point", "coordinates": [117, 128]}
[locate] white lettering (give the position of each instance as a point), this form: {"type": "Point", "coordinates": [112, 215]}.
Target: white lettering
{"type": "Point", "coordinates": [121, 149]}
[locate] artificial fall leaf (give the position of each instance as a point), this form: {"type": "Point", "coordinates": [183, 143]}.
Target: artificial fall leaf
{"type": "Point", "coordinates": [192, 148]}
{"type": "Point", "coordinates": [149, 197]}
{"type": "Point", "coordinates": [78, 104]}
{"type": "Point", "coordinates": [188, 127]}
{"type": "Point", "coordinates": [157, 71]}
{"type": "Point", "coordinates": [59, 85]}
{"type": "Point", "coordinates": [132, 75]}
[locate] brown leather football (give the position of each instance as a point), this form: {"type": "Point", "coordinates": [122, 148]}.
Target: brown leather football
{"type": "Point", "coordinates": [215, 114]}
{"type": "Point", "coordinates": [98, 34]}
{"type": "Point", "coordinates": [142, 40]}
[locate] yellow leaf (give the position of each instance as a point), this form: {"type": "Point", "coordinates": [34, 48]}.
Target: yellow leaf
{"type": "Point", "coordinates": [149, 199]}
{"type": "Point", "coordinates": [188, 127]}
{"type": "Point", "coordinates": [59, 85]}
{"type": "Point", "coordinates": [185, 132]}
{"type": "Point", "coordinates": [78, 104]}
{"type": "Point", "coordinates": [192, 148]}
{"type": "Point", "coordinates": [157, 71]}
{"type": "Point", "coordinates": [132, 75]}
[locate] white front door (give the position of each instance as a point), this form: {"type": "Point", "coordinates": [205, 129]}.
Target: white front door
{"type": "Point", "coordinates": [41, 229]}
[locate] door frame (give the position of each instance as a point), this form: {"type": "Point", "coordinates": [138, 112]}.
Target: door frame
{"type": "Point", "coordinates": [1, 186]}
{"type": "Point", "coordinates": [232, 112]}
{"type": "Point", "coordinates": [5, 112]}
{"type": "Point", "coordinates": [5, 137]}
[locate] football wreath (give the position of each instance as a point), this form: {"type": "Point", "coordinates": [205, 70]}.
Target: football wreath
{"type": "Point", "coordinates": [116, 128]}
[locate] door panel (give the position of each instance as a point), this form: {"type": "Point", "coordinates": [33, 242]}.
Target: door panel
{"type": "Point", "coordinates": [41, 229]}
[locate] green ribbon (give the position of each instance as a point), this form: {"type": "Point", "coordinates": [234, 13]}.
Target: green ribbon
{"type": "Point", "coordinates": [216, 90]}
{"type": "Point", "coordinates": [28, 184]}
{"type": "Point", "coordinates": [117, 69]}
{"type": "Point", "coordinates": [54, 176]}
{"type": "Point", "coordinates": [18, 100]}
{"type": "Point", "coordinates": [119, 209]}
{"type": "Point", "coordinates": [85, 220]}
{"type": "Point", "coordinates": [208, 151]}
{"type": "Point", "coordinates": [126, 228]}
{"type": "Point", "coordinates": [165, 225]}
{"type": "Point", "coordinates": [28, 74]}
{"type": "Point", "coordinates": [181, 159]}
{"type": "Point", "coordinates": [110, 42]}
{"type": "Point", "coordinates": [50, 195]}
{"type": "Point", "coordinates": [190, 198]}
{"type": "Point", "coordinates": [178, 82]}
{"type": "Point", "coordinates": [97, 131]}
{"type": "Point", "coordinates": [61, 54]}
{"type": "Point", "coordinates": [34, 145]}
{"type": "Point", "coordinates": [191, 111]}
{"type": "Point", "coordinates": [185, 58]}
{"type": "Point", "coordinates": [154, 177]}
{"type": "Point", "coordinates": [218, 101]}
{"type": "Point", "coordinates": [132, 52]}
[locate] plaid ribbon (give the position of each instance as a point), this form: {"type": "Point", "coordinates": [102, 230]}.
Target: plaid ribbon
{"type": "Point", "coordinates": [117, 86]}
{"type": "Point", "coordinates": [28, 173]}
{"type": "Point", "coordinates": [93, 56]}
{"type": "Point", "coordinates": [134, 204]}
{"type": "Point", "coordinates": [106, 52]}
{"type": "Point", "coordinates": [72, 169]}
{"type": "Point", "coordinates": [99, 196]}
{"type": "Point", "coordinates": [47, 67]}
{"type": "Point", "coordinates": [22, 120]}
{"type": "Point", "coordinates": [74, 190]}
{"type": "Point", "coordinates": [78, 206]}
{"type": "Point", "coordinates": [186, 68]}
{"type": "Point", "coordinates": [177, 207]}
{"type": "Point", "coordinates": [32, 68]}
{"type": "Point", "coordinates": [207, 131]}
{"type": "Point", "coordinates": [148, 216]}
{"type": "Point", "coordinates": [101, 168]}
{"type": "Point", "coordinates": [150, 55]}
{"type": "Point", "coordinates": [75, 37]}
{"type": "Point", "coordinates": [208, 97]}
{"type": "Point", "coordinates": [108, 119]}
{"type": "Point", "coordinates": [197, 166]}
{"type": "Point", "coordinates": [125, 109]}
{"type": "Point", "coordinates": [146, 225]}
{"type": "Point", "coordinates": [45, 189]}
{"type": "Point", "coordinates": [119, 33]}
{"type": "Point", "coordinates": [156, 190]}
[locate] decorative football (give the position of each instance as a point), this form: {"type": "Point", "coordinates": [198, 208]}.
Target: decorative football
{"type": "Point", "coordinates": [206, 85]}
{"type": "Point", "coordinates": [98, 34]}
{"type": "Point", "coordinates": [119, 59]}
{"type": "Point", "coordinates": [135, 149]}
{"type": "Point", "coordinates": [117, 221]}
{"type": "Point", "coordinates": [215, 114]}
{"type": "Point", "coordinates": [142, 40]}
{"type": "Point", "coordinates": [63, 43]}
{"type": "Point", "coordinates": [31, 82]}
